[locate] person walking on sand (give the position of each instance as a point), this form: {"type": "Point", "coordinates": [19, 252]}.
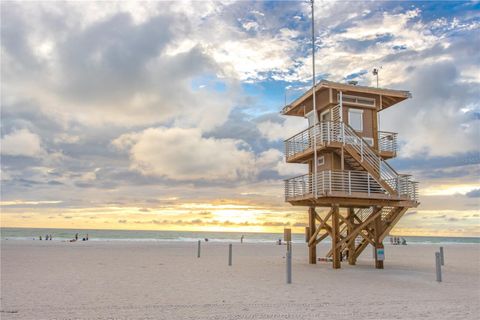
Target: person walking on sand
{"type": "Point", "coordinates": [241, 239]}
{"type": "Point", "coordinates": [76, 236]}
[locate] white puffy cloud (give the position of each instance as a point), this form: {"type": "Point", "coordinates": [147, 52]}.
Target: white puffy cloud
{"type": "Point", "coordinates": [22, 143]}
{"type": "Point", "coordinates": [273, 159]}
{"type": "Point", "coordinates": [274, 131]}
{"type": "Point", "coordinates": [184, 155]}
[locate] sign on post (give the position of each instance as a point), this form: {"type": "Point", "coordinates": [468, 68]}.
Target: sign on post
{"type": "Point", "coordinates": [287, 235]}
{"type": "Point", "coordinates": [380, 254]}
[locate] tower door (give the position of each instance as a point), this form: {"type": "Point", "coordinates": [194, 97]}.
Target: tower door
{"type": "Point", "coordinates": [326, 116]}
{"type": "Point", "coordinates": [310, 118]}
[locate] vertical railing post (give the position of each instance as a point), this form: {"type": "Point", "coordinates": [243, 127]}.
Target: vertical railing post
{"type": "Point", "coordinates": [330, 181]}
{"type": "Point", "coordinates": [368, 182]}
{"type": "Point", "coordinates": [343, 133]}
{"type": "Point", "coordinates": [328, 132]}
{"type": "Point", "coordinates": [361, 150]}
{"type": "Point", "coordinates": [398, 185]}
{"type": "Point", "coordinates": [341, 107]}
{"type": "Point", "coordinates": [349, 182]}
{"type": "Point", "coordinates": [323, 182]}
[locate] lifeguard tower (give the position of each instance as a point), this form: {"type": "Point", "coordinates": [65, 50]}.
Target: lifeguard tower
{"type": "Point", "coordinates": [348, 169]}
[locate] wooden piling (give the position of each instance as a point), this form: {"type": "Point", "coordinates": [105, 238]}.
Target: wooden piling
{"type": "Point", "coordinates": [335, 234]}
{"type": "Point", "coordinates": [312, 249]}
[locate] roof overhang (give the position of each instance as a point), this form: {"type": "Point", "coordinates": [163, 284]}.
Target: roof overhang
{"type": "Point", "coordinates": [389, 96]}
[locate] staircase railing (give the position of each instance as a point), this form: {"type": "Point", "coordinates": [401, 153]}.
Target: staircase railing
{"type": "Point", "coordinates": [380, 167]}
{"type": "Point", "coordinates": [332, 131]}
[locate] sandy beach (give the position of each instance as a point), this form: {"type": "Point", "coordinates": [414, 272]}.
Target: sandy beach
{"type": "Point", "coordinates": [161, 280]}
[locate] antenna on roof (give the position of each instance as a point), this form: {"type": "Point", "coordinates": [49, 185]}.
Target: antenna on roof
{"type": "Point", "coordinates": [315, 113]}
{"type": "Point", "coordinates": [375, 73]}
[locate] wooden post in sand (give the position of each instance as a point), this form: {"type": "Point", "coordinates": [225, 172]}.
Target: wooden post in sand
{"type": "Point", "coordinates": [438, 266]}
{"type": "Point", "coordinates": [230, 254]}
{"type": "Point", "coordinates": [442, 259]}
{"type": "Point", "coordinates": [312, 247]}
{"type": "Point", "coordinates": [335, 235]}
{"type": "Point", "coordinates": [198, 250]}
{"type": "Point", "coordinates": [289, 263]}
{"type": "Point", "coordinates": [351, 244]}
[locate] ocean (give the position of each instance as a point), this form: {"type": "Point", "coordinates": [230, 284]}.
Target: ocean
{"type": "Point", "coordinates": [187, 236]}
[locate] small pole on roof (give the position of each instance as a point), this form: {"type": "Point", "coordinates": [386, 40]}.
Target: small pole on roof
{"type": "Point", "coordinates": [375, 73]}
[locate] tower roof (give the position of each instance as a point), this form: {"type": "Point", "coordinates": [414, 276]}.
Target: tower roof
{"type": "Point", "coordinates": [389, 96]}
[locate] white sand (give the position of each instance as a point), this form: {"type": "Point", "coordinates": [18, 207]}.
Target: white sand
{"type": "Point", "coordinates": [147, 280]}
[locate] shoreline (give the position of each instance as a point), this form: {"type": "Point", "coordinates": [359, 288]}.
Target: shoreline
{"type": "Point", "coordinates": [246, 241]}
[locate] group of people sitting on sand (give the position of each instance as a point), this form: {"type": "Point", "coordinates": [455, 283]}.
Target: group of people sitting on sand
{"type": "Point", "coordinates": [398, 240]}
{"type": "Point", "coordinates": [47, 237]}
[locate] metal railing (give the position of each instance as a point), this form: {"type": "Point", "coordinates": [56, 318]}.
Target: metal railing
{"type": "Point", "coordinates": [346, 182]}
{"type": "Point", "coordinates": [387, 141]}
{"type": "Point", "coordinates": [332, 131]}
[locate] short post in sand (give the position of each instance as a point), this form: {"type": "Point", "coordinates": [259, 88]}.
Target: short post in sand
{"type": "Point", "coordinates": [442, 259]}
{"type": "Point", "coordinates": [230, 254]}
{"type": "Point", "coordinates": [198, 249]}
{"type": "Point", "coordinates": [438, 266]}
{"type": "Point", "coordinates": [287, 236]}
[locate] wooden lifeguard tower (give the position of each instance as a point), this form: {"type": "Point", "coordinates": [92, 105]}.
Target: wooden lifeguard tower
{"type": "Point", "coordinates": [348, 172]}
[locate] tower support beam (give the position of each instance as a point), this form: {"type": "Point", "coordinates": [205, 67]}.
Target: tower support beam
{"type": "Point", "coordinates": [312, 248]}
{"type": "Point", "coordinates": [352, 260]}
{"type": "Point", "coordinates": [378, 228]}
{"type": "Point", "coordinates": [335, 238]}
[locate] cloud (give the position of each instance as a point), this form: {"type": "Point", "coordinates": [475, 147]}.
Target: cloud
{"type": "Point", "coordinates": [276, 224]}
{"type": "Point", "coordinates": [185, 155]}
{"type": "Point", "coordinates": [113, 69]}
{"type": "Point", "coordinates": [22, 143]}
{"type": "Point", "coordinates": [282, 130]}
{"type": "Point", "coordinates": [473, 194]}
{"type": "Point", "coordinates": [273, 159]}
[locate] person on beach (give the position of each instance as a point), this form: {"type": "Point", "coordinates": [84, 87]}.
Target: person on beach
{"type": "Point", "coordinates": [241, 239]}
{"type": "Point", "coordinates": [40, 238]}
{"type": "Point", "coordinates": [87, 237]}
{"type": "Point", "coordinates": [76, 236]}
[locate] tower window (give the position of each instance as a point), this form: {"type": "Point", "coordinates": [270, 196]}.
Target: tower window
{"type": "Point", "coordinates": [321, 160]}
{"type": "Point", "coordinates": [355, 119]}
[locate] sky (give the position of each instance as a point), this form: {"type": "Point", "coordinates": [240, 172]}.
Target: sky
{"type": "Point", "coordinates": [165, 115]}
